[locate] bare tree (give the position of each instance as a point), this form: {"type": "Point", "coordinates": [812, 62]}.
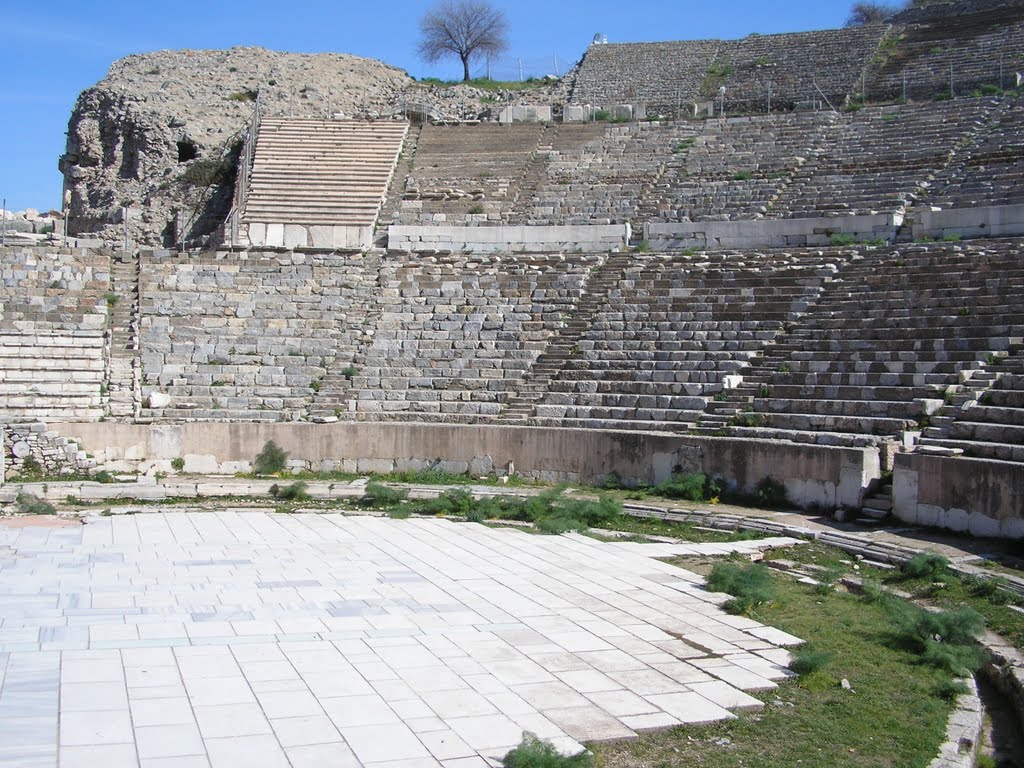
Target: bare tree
{"type": "Point", "coordinates": [464, 28]}
{"type": "Point", "coordinates": [869, 13]}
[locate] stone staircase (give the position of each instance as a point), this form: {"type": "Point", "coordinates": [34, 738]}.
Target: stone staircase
{"type": "Point", "coordinates": [123, 368]}
{"type": "Point", "coordinates": [985, 418]}
{"type": "Point", "coordinates": [562, 348]}
{"type": "Point", "coordinates": [321, 172]}
{"type": "Point", "coordinates": [390, 210]}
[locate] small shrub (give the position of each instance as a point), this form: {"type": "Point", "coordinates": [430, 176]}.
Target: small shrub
{"type": "Point", "coordinates": [743, 176]}
{"type": "Point", "coordinates": [684, 145]}
{"type": "Point", "coordinates": [297, 491]}
{"type": "Point", "coordinates": [30, 504]}
{"type": "Point", "coordinates": [690, 487]}
{"type": "Point", "coordinates": [210, 171]}
{"type": "Point", "coordinates": [178, 464]}
{"type": "Point", "coordinates": [477, 209]}
{"type": "Point", "coordinates": [949, 690]}
{"type": "Point", "coordinates": [349, 372]}
{"type": "Point", "coordinates": [871, 591]}
{"type": "Point", "coordinates": [314, 385]}
{"type": "Point", "coordinates": [30, 467]}
{"type": "Point", "coordinates": [842, 240]}
{"type": "Point", "coordinates": [399, 513]}
{"type": "Point", "coordinates": [771, 493]}
{"type": "Point", "coordinates": [602, 115]}
{"type": "Point", "coordinates": [247, 95]}
{"type": "Point", "coordinates": [992, 588]}
{"type": "Point", "coordinates": [271, 460]}
{"type": "Point", "coordinates": [644, 246]}
{"type": "Point", "coordinates": [535, 753]}
{"type": "Point", "coordinates": [960, 660]}
{"type": "Point", "coordinates": [750, 585]}
{"type": "Point", "coordinates": [926, 565]}
{"type": "Point", "coordinates": [380, 495]}
{"type": "Point", "coordinates": [102, 477]}
{"type": "Point", "coordinates": [454, 501]}
{"type": "Point", "coordinates": [749, 419]}
{"type": "Point", "coordinates": [827, 581]}
{"type": "Point", "coordinates": [807, 661]}
{"type": "Point", "coordinates": [111, 298]}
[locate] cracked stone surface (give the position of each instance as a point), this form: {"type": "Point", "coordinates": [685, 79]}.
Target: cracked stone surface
{"type": "Point", "coordinates": [242, 638]}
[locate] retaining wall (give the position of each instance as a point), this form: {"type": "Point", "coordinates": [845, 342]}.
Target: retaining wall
{"type": "Point", "coordinates": [979, 496]}
{"type": "Point", "coordinates": [982, 221]}
{"type": "Point", "coordinates": [327, 237]}
{"type": "Point", "coordinates": [813, 475]}
{"type": "Point", "coordinates": [509, 239]}
{"type": "Point", "coordinates": [776, 233]}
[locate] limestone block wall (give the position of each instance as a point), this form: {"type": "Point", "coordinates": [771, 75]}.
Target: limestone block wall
{"type": "Point", "coordinates": [54, 454]}
{"type": "Point", "coordinates": [453, 336]}
{"type": "Point", "coordinates": [505, 239]}
{"type": "Point", "coordinates": [979, 496]}
{"type": "Point", "coordinates": [247, 335]}
{"type": "Point", "coordinates": [779, 233]}
{"type": "Point", "coordinates": [53, 315]}
{"type": "Point", "coordinates": [983, 221]}
{"type": "Point", "coordinates": [813, 475]}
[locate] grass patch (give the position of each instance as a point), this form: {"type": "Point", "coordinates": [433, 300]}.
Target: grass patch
{"type": "Point", "coordinates": [382, 496]}
{"type": "Point", "coordinates": [297, 491]}
{"type": "Point", "coordinates": [486, 84]}
{"type": "Point", "coordinates": [895, 719]}
{"type": "Point", "coordinates": [30, 504]}
{"type": "Point", "coordinates": [535, 753]}
{"type": "Point", "coordinates": [750, 585]}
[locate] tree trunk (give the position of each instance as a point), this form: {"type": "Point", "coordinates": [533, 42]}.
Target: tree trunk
{"type": "Point", "coordinates": [465, 68]}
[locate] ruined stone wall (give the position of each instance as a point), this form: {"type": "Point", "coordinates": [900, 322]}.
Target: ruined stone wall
{"type": "Point", "coordinates": [50, 453]}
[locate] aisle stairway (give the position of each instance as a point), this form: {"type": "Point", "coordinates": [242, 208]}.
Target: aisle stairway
{"type": "Point", "coordinates": [310, 177]}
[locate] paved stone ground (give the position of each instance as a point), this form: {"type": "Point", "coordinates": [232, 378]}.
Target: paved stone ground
{"type": "Point", "coordinates": [234, 638]}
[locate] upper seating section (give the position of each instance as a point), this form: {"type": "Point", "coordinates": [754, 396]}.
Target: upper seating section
{"type": "Point", "coordinates": [782, 71]}
{"type": "Point", "coordinates": [966, 45]}
{"type": "Point", "coordinates": [663, 76]}
{"type": "Point", "coordinates": [672, 328]}
{"type": "Point", "coordinates": [324, 172]}
{"type": "Point", "coordinates": [247, 336]}
{"type": "Point", "coordinates": [758, 71]}
{"type": "Point", "coordinates": [887, 340]}
{"type": "Point", "coordinates": [453, 336]}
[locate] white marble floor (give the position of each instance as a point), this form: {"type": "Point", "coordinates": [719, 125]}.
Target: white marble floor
{"type": "Point", "coordinates": [224, 639]}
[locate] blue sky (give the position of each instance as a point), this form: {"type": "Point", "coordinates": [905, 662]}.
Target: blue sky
{"type": "Point", "coordinates": [49, 52]}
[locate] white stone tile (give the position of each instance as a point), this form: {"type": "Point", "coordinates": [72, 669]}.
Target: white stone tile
{"type": "Point", "coordinates": [287, 704]}
{"type": "Point", "coordinates": [107, 756]}
{"type": "Point", "coordinates": [351, 711]}
{"type": "Point", "coordinates": [380, 743]}
{"type": "Point", "coordinates": [304, 731]}
{"type": "Point", "coordinates": [248, 751]}
{"type": "Point", "coordinates": [96, 727]}
{"type": "Point", "coordinates": [146, 712]}
{"type": "Point", "coordinates": [229, 720]}
{"type": "Point", "coordinates": [336, 755]}
{"type": "Point", "coordinates": [446, 745]}
{"type": "Point", "coordinates": [167, 741]}
{"type": "Point", "coordinates": [89, 697]}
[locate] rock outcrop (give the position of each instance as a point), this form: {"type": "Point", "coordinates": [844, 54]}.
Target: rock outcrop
{"type": "Point", "coordinates": [156, 141]}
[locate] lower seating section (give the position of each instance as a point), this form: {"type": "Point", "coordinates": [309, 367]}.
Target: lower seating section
{"type": "Point", "coordinates": [455, 335]}
{"type": "Point", "coordinates": [992, 426]}
{"type": "Point", "coordinates": [673, 328]}
{"type": "Point", "coordinates": [888, 342]}
{"type": "Point", "coordinates": [53, 316]}
{"type": "Point", "coordinates": [249, 336]}
{"type": "Point", "coordinates": [992, 171]}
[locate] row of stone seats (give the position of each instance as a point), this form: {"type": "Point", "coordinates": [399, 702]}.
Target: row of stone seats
{"type": "Point", "coordinates": [975, 50]}
{"type": "Point", "coordinates": [453, 335]}
{"type": "Point", "coordinates": [735, 168]}
{"type": "Point", "coordinates": [605, 180]}
{"type": "Point", "coordinates": [321, 171]}
{"type": "Point", "coordinates": [881, 159]}
{"type": "Point", "coordinates": [790, 69]}
{"type": "Point", "coordinates": [673, 329]}
{"type": "Point", "coordinates": [992, 171]}
{"type": "Point", "coordinates": [664, 76]}
{"type": "Point", "coordinates": [247, 336]}
{"type": "Point", "coordinates": [991, 426]}
{"type": "Point", "coordinates": [53, 315]}
{"type": "Point", "coordinates": [885, 343]}
{"type": "Point", "coordinates": [467, 172]}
